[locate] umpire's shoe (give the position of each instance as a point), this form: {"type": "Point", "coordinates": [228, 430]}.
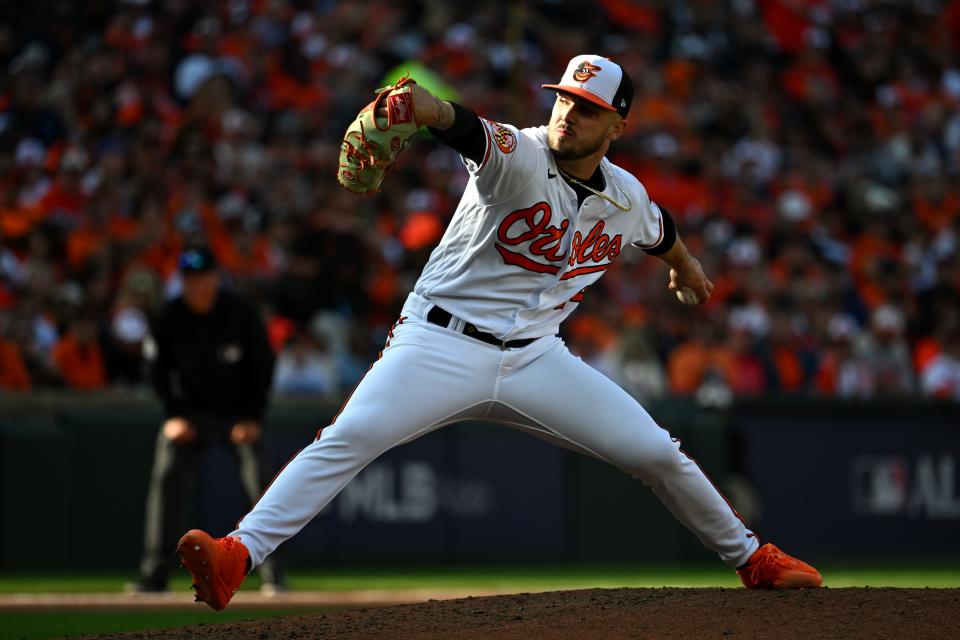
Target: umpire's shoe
{"type": "Point", "coordinates": [770, 568]}
{"type": "Point", "coordinates": [218, 566]}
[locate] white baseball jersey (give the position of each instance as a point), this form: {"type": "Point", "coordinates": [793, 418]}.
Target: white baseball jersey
{"type": "Point", "coordinates": [513, 262]}
{"type": "Point", "coordinates": [518, 253]}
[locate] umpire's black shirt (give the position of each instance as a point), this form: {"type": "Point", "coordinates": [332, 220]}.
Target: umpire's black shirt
{"type": "Point", "coordinates": [214, 364]}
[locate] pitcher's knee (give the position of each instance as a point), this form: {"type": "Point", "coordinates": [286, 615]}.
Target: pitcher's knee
{"type": "Point", "coordinates": [650, 457]}
{"type": "Point", "coordinates": [355, 433]}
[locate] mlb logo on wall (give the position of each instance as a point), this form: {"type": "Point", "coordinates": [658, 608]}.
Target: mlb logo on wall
{"type": "Point", "coordinates": [896, 486]}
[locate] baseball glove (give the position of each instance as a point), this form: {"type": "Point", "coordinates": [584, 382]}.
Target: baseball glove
{"type": "Point", "coordinates": [371, 144]}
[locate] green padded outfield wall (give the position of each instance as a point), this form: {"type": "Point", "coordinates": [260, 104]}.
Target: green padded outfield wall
{"type": "Point", "coordinates": [815, 476]}
{"type": "Point", "coordinates": [75, 470]}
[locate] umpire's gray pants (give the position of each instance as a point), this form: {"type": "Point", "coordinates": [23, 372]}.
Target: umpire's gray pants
{"type": "Point", "coordinates": [170, 499]}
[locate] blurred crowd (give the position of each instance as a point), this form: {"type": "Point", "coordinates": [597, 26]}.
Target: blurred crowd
{"type": "Point", "coordinates": [808, 149]}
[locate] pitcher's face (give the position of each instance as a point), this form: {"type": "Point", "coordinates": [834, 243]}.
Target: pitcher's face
{"type": "Point", "coordinates": [578, 128]}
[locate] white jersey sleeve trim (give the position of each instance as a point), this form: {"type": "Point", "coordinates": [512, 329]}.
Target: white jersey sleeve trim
{"type": "Point", "coordinates": [656, 209]}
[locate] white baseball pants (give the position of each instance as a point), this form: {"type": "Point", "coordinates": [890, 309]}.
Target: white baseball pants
{"type": "Point", "coordinates": [430, 376]}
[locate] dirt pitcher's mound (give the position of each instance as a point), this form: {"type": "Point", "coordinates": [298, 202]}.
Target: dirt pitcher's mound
{"type": "Point", "coordinates": [612, 614]}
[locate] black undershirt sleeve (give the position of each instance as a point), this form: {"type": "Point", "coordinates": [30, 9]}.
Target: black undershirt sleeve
{"type": "Point", "coordinates": [465, 136]}
{"type": "Point", "coordinates": [669, 234]}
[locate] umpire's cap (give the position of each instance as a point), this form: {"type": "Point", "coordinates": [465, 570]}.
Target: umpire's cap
{"type": "Point", "coordinates": [197, 259]}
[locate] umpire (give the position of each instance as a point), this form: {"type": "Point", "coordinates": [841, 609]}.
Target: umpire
{"type": "Point", "coordinates": [211, 365]}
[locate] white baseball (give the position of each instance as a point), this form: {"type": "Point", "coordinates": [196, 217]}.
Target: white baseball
{"type": "Point", "coordinates": [686, 295]}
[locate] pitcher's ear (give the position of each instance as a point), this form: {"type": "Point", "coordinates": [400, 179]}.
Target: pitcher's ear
{"type": "Point", "coordinates": [618, 129]}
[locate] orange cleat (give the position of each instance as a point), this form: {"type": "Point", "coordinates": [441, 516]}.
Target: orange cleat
{"type": "Point", "coordinates": [770, 568]}
{"type": "Point", "coordinates": [218, 566]}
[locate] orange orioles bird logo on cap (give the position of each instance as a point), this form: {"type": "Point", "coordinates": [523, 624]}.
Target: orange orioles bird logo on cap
{"type": "Point", "coordinates": [585, 71]}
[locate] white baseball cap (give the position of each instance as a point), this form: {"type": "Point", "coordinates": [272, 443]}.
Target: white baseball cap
{"type": "Point", "coordinates": [599, 80]}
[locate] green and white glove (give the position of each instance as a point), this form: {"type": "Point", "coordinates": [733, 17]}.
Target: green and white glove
{"type": "Point", "coordinates": [372, 143]}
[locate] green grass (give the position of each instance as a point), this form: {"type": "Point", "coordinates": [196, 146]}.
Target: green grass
{"type": "Point", "coordinates": [38, 625]}
{"type": "Point", "coordinates": [514, 577]}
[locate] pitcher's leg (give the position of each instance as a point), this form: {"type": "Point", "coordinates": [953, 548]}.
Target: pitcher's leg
{"type": "Point", "coordinates": [579, 405]}
{"type": "Point", "coordinates": [425, 379]}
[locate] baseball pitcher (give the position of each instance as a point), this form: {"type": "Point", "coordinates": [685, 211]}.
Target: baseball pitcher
{"type": "Point", "coordinates": [543, 216]}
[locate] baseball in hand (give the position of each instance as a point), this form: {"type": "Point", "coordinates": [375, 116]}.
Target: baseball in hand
{"type": "Point", "coordinates": [686, 295]}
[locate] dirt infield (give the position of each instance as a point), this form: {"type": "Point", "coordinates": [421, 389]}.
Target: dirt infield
{"type": "Point", "coordinates": [614, 614]}
{"type": "Point", "coordinates": [244, 600]}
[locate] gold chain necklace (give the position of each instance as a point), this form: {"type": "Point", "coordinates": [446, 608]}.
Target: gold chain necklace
{"type": "Point", "coordinates": [599, 193]}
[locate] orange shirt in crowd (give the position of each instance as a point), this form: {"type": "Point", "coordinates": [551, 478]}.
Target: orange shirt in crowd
{"type": "Point", "coordinates": [80, 365]}
{"type": "Point", "coordinates": [806, 79]}
{"type": "Point", "coordinates": [13, 371]}
{"type": "Point", "coordinates": [62, 199]}
{"type": "Point", "coordinates": [868, 249]}
{"type": "Point", "coordinates": [677, 192]}
{"type": "Point", "coordinates": [90, 238]}
{"type": "Point", "coordinates": [828, 370]}
{"type": "Point", "coordinates": [689, 361]}
{"type": "Point", "coordinates": [790, 371]}
{"type": "Point", "coordinates": [747, 377]}
{"type": "Point", "coordinates": [926, 349]}
{"type": "Point", "coordinates": [248, 259]}
{"type": "Point", "coordinates": [937, 215]}
{"type": "Point", "coordinates": [638, 16]}
{"type": "Point", "coordinates": [787, 22]}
